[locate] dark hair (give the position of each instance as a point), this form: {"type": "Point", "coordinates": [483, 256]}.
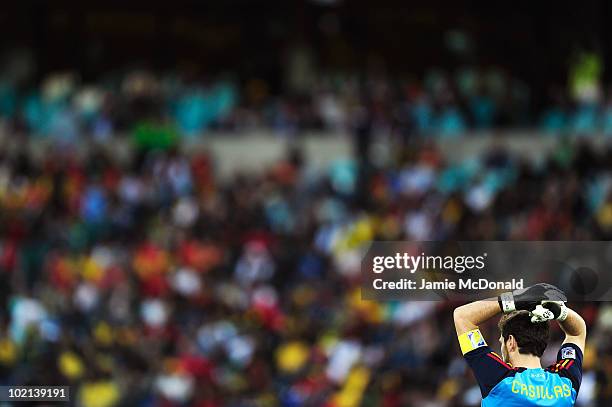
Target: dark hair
{"type": "Point", "coordinates": [531, 338]}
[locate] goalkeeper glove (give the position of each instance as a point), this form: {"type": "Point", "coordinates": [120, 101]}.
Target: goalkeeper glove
{"type": "Point", "coordinates": [558, 309]}
{"type": "Point", "coordinates": [529, 298]}
{"type": "Point", "coordinates": [549, 310]}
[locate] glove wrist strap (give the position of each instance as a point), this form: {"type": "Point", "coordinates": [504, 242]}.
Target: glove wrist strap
{"type": "Point", "coordinates": [506, 302]}
{"type": "Point", "coordinates": [563, 315]}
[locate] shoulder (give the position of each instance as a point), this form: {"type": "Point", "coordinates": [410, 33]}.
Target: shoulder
{"type": "Point", "coordinates": [568, 364]}
{"type": "Point", "coordinates": [489, 369]}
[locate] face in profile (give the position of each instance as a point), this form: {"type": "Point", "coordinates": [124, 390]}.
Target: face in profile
{"type": "Point", "coordinates": [504, 350]}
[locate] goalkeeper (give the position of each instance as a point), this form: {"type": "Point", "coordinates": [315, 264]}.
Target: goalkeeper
{"type": "Point", "coordinates": [516, 378]}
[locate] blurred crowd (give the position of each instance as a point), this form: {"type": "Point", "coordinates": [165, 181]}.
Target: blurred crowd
{"type": "Point", "coordinates": [438, 104]}
{"type": "Point", "coordinates": [149, 282]}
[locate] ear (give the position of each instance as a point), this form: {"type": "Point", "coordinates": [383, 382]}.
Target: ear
{"type": "Point", "coordinates": [511, 344]}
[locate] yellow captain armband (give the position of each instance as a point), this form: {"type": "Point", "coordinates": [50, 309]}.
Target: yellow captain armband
{"type": "Point", "coordinates": [471, 340]}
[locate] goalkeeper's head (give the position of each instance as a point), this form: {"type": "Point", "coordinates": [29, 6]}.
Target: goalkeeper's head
{"type": "Point", "coordinates": [518, 335]}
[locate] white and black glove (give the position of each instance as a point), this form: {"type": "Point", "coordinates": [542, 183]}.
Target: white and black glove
{"type": "Point", "coordinates": [556, 310]}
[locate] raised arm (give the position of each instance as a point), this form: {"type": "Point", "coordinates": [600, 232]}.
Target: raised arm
{"type": "Point", "coordinates": [574, 328]}
{"type": "Point", "coordinates": [570, 322]}
{"type": "Point", "coordinates": [469, 316]}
